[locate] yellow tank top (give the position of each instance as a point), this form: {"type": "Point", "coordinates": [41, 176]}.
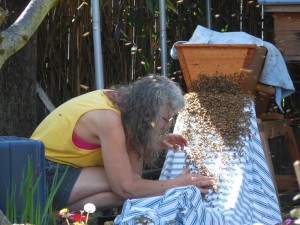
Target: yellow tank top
{"type": "Point", "coordinates": [55, 131]}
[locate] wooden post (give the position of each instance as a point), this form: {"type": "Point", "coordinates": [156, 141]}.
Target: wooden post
{"type": "Point", "coordinates": [297, 171]}
{"type": "Point", "coordinates": [292, 145]}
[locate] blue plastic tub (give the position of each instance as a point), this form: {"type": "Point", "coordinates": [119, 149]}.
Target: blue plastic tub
{"type": "Point", "coordinates": [15, 153]}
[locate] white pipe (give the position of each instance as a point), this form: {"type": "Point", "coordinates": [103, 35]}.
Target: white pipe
{"type": "Point", "coordinates": [97, 44]}
{"type": "Point", "coordinates": [163, 37]}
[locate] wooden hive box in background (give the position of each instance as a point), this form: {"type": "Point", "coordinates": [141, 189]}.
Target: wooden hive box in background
{"type": "Point", "coordinates": [287, 35]}
{"type": "Point", "coordinates": [286, 14]}
{"type": "Point", "coordinates": [244, 60]}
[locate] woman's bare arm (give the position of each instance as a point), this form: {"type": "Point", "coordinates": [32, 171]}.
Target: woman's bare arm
{"type": "Point", "coordinates": [122, 172]}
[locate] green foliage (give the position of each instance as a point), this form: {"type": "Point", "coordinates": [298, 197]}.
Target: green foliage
{"type": "Point", "coordinates": [225, 29]}
{"type": "Point", "coordinates": [32, 210]}
{"type": "Point", "coordinates": [296, 197]}
{"type": "Point", "coordinates": [11, 197]}
{"type": "Point", "coordinates": [294, 213]}
{"type": "Point", "coordinates": [170, 6]}
{"type": "Point", "coordinates": [29, 187]}
{"type": "Point", "coordinates": [48, 211]}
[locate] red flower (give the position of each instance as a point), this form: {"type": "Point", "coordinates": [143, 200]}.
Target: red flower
{"type": "Point", "coordinates": [78, 217]}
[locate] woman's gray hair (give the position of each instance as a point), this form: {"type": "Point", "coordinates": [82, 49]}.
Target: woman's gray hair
{"type": "Point", "coordinates": [142, 105]}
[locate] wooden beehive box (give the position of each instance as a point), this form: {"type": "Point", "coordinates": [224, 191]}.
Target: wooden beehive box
{"type": "Point", "coordinates": [287, 35]}
{"type": "Point", "coordinates": [245, 60]}
{"type": "Point", "coordinates": [286, 14]}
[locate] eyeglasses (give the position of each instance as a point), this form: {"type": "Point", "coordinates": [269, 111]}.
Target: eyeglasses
{"type": "Point", "coordinates": [167, 120]}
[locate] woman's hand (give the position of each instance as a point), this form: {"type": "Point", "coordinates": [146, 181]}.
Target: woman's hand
{"type": "Point", "coordinates": [200, 181]}
{"type": "Point", "coordinates": [174, 141]}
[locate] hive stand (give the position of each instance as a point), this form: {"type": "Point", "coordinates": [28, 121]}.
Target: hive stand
{"type": "Point", "coordinates": [274, 127]}
{"type": "Point", "coordinates": [247, 61]}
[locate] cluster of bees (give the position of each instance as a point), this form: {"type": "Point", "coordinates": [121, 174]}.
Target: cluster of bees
{"type": "Point", "coordinates": [215, 120]}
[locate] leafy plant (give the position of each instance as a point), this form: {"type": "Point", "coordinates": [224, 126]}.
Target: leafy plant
{"type": "Point", "coordinates": [294, 213]}
{"type": "Point", "coordinates": [32, 210]}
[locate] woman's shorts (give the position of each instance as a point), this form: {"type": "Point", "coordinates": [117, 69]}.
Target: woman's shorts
{"type": "Point", "coordinates": [67, 175]}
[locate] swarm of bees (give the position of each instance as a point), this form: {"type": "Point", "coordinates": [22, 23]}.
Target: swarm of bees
{"type": "Point", "coordinates": [216, 122]}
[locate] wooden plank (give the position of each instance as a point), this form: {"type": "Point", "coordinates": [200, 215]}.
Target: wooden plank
{"type": "Point", "coordinates": [253, 69]}
{"type": "Point", "coordinates": [208, 52]}
{"type": "Point", "coordinates": [184, 68]}
{"type": "Point", "coordinates": [243, 60]}
{"type": "Point", "coordinates": [291, 58]}
{"type": "Point", "coordinates": [287, 182]}
{"type": "Point", "coordinates": [282, 8]}
{"type": "Point", "coordinates": [291, 48]}
{"type": "Point", "coordinates": [296, 165]}
{"type": "Point", "coordinates": [281, 182]}
{"type": "Point", "coordinates": [261, 102]}
{"type": "Point", "coordinates": [212, 67]}
{"type": "Point", "coordinates": [265, 89]}
{"type": "Point", "coordinates": [44, 97]}
{"type": "Point", "coordinates": [270, 116]}
{"type": "Point", "coordinates": [265, 145]}
{"type": "Point", "coordinates": [286, 21]}
{"type": "Point", "coordinates": [273, 128]}
{"type": "Point", "coordinates": [287, 34]}
{"type": "Point", "coordinates": [292, 145]}
{"type": "Point", "coordinates": [262, 93]}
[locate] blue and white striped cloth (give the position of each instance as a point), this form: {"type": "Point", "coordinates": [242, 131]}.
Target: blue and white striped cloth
{"type": "Point", "coordinates": [246, 193]}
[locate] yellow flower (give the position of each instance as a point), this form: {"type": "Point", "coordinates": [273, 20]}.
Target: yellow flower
{"type": "Point", "coordinates": [64, 212]}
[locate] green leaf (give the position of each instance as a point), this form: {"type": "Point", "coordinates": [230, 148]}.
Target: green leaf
{"type": "Point", "coordinates": [297, 197]}
{"type": "Point", "coordinates": [295, 212]}
{"type": "Point", "coordinates": [171, 6]}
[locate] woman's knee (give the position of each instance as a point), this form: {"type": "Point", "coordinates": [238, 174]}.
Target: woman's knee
{"type": "Point", "coordinates": [91, 181]}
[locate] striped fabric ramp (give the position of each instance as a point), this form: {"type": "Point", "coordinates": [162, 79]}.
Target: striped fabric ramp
{"type": "Point", "coordinates": [246, 194]}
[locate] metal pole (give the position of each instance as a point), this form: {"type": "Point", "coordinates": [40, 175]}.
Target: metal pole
{"type": "Point", "coordinates": [208, 14]}
{"type": "Point", "coordinates": [263, 22]}
{"type": "Point", "coordinates": [97, 44]}
{"type": "Point", "coordinates": [163, 37]}
{"type": "Point", "coordinates": [241, 14]}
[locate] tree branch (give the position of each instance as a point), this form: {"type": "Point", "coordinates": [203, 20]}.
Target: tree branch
{"type": "Point", "coordinates": [17, 35]}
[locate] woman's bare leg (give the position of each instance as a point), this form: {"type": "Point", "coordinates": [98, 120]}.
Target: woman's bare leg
{"type": "Point", "coordinates": [92, 187]}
